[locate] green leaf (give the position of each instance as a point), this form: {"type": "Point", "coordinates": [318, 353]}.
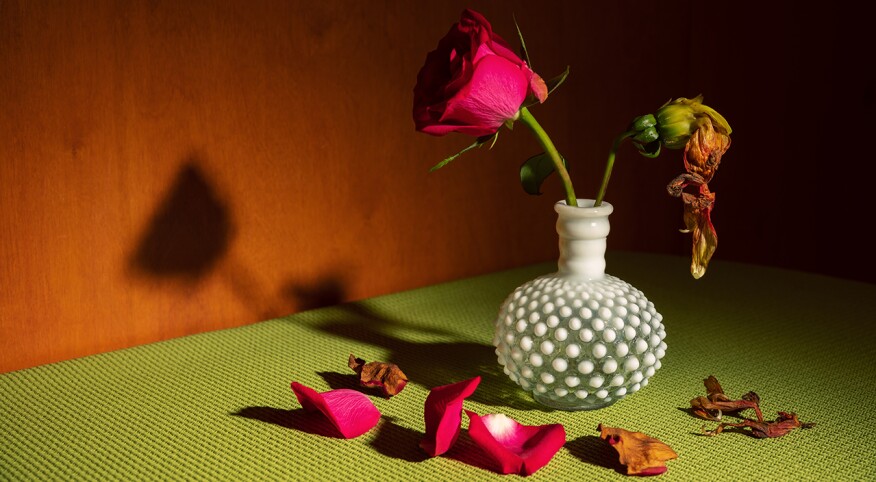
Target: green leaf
{"type": "Point", "coordinates": [557, 81]}
{"type": "Point", "coordinates": [535, 170]}
{"type": "Point", "coordinates": [478, 143]}
{"type": "Point", "coordinates": [522, 43]}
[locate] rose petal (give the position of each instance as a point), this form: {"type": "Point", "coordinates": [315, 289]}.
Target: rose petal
{"type": "Point", "coordinates": [537, 86]}
{"type": "Point", "coordinates": [493, 95]}
{"type": "Point", "coordinates": [443, 415]}
{"type": "Point", "coordinates": [351, 412]}
{"type": "Point", "coordinates": [516, 449]}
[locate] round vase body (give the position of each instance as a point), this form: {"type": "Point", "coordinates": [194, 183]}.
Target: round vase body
{"type": "Point", "coordinates": [579, 339]}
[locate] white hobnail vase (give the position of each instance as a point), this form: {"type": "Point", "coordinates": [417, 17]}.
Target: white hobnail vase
{"type": "Point", "coordinates": [579, 339]}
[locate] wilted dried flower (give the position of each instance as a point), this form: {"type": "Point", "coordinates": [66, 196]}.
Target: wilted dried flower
{"type": "Point", "coordinates": [715, 403]}
{"type": "Point", "coordinates": [387, 376]}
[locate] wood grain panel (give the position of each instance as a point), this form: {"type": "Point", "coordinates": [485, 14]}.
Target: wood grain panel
{"type": "Point", "coordinates": [169, 168]}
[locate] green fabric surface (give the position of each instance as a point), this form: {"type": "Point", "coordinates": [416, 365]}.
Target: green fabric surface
{"type": "Point", "coordinates": [218, 406]}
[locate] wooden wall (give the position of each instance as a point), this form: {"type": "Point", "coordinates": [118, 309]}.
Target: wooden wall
{"type": "Point", "coordinates": [169, 168]}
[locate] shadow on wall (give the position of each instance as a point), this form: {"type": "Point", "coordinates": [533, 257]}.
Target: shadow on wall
{"type": "Point", "coordinates": [189, 233]}
{"type": "Point", "coordinates": [189, 237]}
{"type": "Point", "coordinates": [329, 290]}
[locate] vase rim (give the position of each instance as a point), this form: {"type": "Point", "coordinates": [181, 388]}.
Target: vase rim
{"type": "Point", "coordinates": [584, 208]}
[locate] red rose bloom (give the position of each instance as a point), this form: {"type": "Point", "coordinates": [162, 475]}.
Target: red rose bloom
{"type": "Point", "coordinates": [472, 83]}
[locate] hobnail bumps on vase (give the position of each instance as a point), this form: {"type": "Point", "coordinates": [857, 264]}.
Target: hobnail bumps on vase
{"type": "Point", "coordinates": [579, 345]}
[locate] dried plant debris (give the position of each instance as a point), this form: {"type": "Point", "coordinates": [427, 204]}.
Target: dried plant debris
{"type": "Point", "coordinates": [387, 376]}
{"type": "Point", "coordinates": [716, 403]}
{"type": "Point", "coordinates": [778, 427]}
{"type": "Point", "coordinates": [641, 454]}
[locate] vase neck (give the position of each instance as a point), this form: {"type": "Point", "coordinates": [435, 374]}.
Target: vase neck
{"type": "Point", "coordinates": [582, 231]}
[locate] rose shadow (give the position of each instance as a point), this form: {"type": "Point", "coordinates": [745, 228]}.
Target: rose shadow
{"type": "Point", "coordinates": [465, 450]}
{"type": "Point", "coordinates": [298, 419]}
{"type": "Point", "coordinates": [398, 442]}
{"type": "Point", "coordinates": [595, 451]}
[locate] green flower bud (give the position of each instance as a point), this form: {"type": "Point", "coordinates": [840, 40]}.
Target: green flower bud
{"type": "Point", "coordinates": [643, 122]}
{"type": "Point", "coordinates": [676, 123]}
{"type": "Point", "coordinates": [646, 136]}
{"type": "Point", "coordinates": [643, 131]}
{"type": "Point", "coordinates": [679, 119]}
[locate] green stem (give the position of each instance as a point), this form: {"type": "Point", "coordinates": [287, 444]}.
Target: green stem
{"type": "Point", "coordinates": [551, 150]}
{"type": "Point", "coordinates": [608, 165]}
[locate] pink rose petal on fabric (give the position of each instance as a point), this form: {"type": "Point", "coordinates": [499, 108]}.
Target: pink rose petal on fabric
{"type": "Point", "coordinates": [516, 449]}
{"type": "Point", "coordinates": [351, 412]}
{"type": "Point", "coordinates": [443, 415]}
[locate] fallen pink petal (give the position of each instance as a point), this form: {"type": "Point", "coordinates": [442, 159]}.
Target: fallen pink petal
{"type": "Point", "coordinates": [443, 415]}
{"type": "Point", "coordinates": [351, 412]}
{"type": "Point", "coordinates": [516, 449]}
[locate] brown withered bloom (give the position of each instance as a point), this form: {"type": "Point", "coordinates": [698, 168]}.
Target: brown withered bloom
{"type": "Point", "coordinates": [716, 402]}
{"type": "Point", "coordinates": [641, 454]}
{"type": "Point", "coordinates": [706, 135]}
{"type": "Point", "coordinates": [387, 376]}
{"type": "Point", "coordinates": [776, 428]}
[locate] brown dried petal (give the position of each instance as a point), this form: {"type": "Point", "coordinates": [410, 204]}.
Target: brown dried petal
{"type": "Point", "coordinates": [717, 402]}
{"type": "Point", "coordinates": [777, 428]}
{"type": "Point", "coordinates": [704, 150]}
{"type": "Point", "coordinates": [677, 185]}
{"type": "Point", "coordinates": [698, 221]}
{"type": "Point", "coordinates": [387, 376]}
{"type": "Point", "coordinates": [713, 389]}
{"type": "Point", "coordinates": [643, 455]}
{"type": "Point", "coordinates": [705, 408]}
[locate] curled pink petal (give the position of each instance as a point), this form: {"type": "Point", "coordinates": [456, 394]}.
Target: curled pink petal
{"type": "Point", "coordinates": [516, 449]}
{"type": "Point", "coordinates": [351, 412]}
{"type": "Point", "coordinates": [538, 86]}
{"type": "Point", "coordinates": [443, 415]}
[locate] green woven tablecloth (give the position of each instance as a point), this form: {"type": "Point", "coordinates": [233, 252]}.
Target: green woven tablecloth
{"type": "Point", "coordinates": [217, 406]}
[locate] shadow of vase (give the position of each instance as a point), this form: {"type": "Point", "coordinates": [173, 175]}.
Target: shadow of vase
{"type": "Point", "coordinates": [432, 364]}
